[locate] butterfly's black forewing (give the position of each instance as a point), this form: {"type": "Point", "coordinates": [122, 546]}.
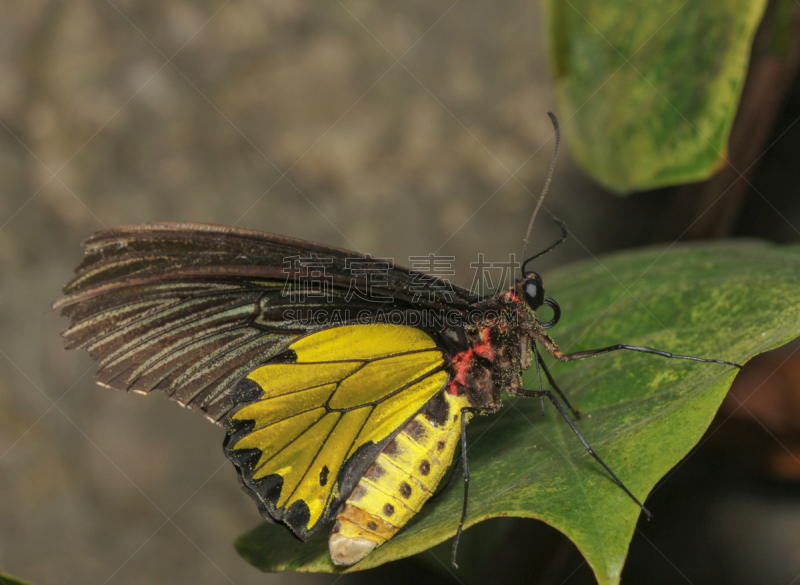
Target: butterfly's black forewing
{"type": "Point", "coordinates": [190, 309]}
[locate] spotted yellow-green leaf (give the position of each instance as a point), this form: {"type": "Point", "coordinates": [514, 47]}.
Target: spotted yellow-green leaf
{"type": "Point", "coordinates": [647, 92]}
{"type": "Point", "coordinates": [642, 413]}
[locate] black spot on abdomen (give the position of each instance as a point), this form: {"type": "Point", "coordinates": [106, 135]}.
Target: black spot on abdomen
{"type": "Point", "coordinates": [357, 494]}
{"type": "Point", "coordinates": [415, 430]}
{"type": "Point", "coordinates": [388, 509]}
{"type": "Point", "coordinates": [391, 448]}
{"type": "Point", "coordinates": [425, 467]}
{"type": "Point", "coordinates": [374, 471]}
{"type": "Point", "coordinates": [405, 490]}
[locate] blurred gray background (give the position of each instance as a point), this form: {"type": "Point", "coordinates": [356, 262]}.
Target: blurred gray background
{"type": "Point", "coordinates": [397, 129]}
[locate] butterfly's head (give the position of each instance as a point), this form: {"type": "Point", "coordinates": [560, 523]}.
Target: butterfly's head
{"type": "Point", "coordinates": [532, 291]}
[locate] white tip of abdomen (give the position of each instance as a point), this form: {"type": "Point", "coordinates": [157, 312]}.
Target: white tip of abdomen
{"type": "Point", "coordinates": [348, 551]}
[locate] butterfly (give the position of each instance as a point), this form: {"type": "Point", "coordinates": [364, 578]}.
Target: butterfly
{"type": "Point", "coordinates": [344, 382]}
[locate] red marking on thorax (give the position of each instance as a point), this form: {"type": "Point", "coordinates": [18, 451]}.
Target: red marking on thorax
{"type": "Point", "coordinates": [463, 361]}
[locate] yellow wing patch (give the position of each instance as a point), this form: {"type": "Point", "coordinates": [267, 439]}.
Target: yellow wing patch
{"type": "Point", "coordinates": [360, 342]}
{"type": "Point", "coordinates": [349, 386]}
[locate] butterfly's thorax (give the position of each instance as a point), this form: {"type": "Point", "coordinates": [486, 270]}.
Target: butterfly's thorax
{"type": "Point", "coordinates": [498, 350]}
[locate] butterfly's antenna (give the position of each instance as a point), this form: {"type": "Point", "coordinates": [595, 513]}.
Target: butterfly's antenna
{"type": "Point", "coordinates": [563, 237]}
{"type": "Point", "coordinates": [546, 183]}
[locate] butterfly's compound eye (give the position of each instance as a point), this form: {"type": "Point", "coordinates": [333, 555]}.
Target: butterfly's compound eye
{"type": "Point", "coordinates": [533, 289]}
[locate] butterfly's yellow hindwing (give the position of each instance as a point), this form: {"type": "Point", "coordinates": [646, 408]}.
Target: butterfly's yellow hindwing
{"type": "Point", "coordinates": [349, 387]}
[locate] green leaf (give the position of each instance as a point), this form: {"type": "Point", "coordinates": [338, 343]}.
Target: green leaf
{"type": "Point", "coordinates": [647, 92]}
{"type": "Point", "coordinates": [642, 413]}
{"type": "Point", "coordinates": [6, 579]}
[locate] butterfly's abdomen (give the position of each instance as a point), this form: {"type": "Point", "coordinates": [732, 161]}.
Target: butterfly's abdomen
{"type": "Point", "coordinates": [396, 485]}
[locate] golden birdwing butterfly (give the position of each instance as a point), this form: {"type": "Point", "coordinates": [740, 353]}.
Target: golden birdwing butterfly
{"type": "Point", "coordinates": [337, 404]}
{"type": "Point", "coordinates": [343, 396]}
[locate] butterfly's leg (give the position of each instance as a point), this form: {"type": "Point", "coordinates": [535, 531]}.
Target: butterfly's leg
{"type": "Point", "coordinates": [539, 376]}
{"type": "Point", "coordinates": [466, 480]}
{"type": "Point", "coordinates": [579, 355]}
{"type": "Point", "coordinates": [553, 384]}
{"type": "Point", "coordinates": [546, 393]}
